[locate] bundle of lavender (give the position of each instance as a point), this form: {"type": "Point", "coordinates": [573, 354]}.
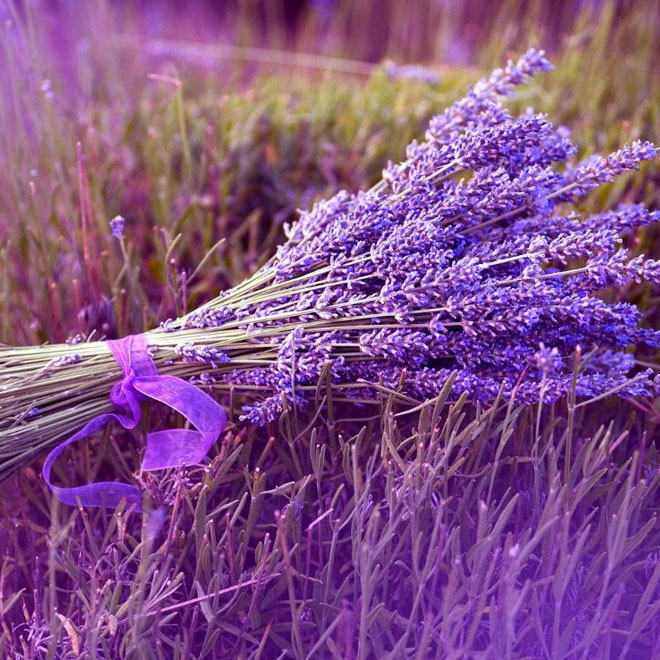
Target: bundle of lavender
{"type": "Point", "coordinates": [466, 260]}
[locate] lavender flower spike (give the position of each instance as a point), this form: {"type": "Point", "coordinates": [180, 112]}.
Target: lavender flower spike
{"type": "Point", "coordinates": [117, 226]}
{"type": "Point", "coordinates": [204, 354]}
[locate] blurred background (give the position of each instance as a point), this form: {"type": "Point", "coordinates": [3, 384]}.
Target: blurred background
{"type": "Point", "coordinates": [447, 31]}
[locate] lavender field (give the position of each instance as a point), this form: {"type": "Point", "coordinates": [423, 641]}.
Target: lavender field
{"type": "Point", "coordinates": [329, 330]}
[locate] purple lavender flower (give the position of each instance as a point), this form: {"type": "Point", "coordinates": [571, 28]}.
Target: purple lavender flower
{"type": "Point", "coordinates": [117, 226]}
{"type": "Point", "coordinates": [404, 346]}
{"type": "Point", "coordinates": [656, 385]}
{"type": "Point", "coordinates": [208, 317]}
{"type": "Point", "coordinates": [548, 360]}
{"type": "Point", "coordinates": [266, 410]}
{"type": "Point", "coordinates": [597, 169]}
{"type": "Point", "coordinates": [483, 95]}
{"type": "Point", "coordinates": [205, 354]}
{"type": "Point", "coordinates": [463, 263]}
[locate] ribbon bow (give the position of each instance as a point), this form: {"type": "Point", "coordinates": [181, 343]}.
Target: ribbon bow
{"type": "Point", "coordinates": [164, 449]}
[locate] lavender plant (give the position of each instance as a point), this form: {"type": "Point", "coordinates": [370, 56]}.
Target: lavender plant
{"type": "Point", "coordinates": [459, 536]}
{"type": "Point", "coordinates": [467, 261]}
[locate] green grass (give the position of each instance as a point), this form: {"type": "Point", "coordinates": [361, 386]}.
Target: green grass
{"type": "Point", "coordinates": [374, 532]}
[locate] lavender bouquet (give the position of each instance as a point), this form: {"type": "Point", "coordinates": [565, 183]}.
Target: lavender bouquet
{"type": "Point", "coordinates": [466, 266]}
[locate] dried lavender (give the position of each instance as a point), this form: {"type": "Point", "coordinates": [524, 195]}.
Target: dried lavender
{"type": "Point", "coordinates": [117, 226]}
{"type": "Point", "coordinates": [63, 361]}
{"type": "Point", "coordinates": [208, 317]}
{"type": "Point", "coordinates": [204, 354]}
{"type": "Point", "coordinates": [466, 262]}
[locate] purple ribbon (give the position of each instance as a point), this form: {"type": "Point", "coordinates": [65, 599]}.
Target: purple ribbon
{"type": "Point", "coordinates": [164, 449]}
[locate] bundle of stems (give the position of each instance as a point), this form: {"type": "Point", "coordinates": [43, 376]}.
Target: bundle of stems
{"type": "Point", "coordinates": [466, 262]}
{"type": "Point", "coordinates": [49, 392]}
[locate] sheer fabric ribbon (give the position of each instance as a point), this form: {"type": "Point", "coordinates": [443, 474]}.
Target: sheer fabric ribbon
{"type": "Point", "coordinates": [164, 449]}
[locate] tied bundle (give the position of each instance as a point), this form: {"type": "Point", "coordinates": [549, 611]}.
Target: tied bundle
{"type": "Point", "coordinates": [467, 266]}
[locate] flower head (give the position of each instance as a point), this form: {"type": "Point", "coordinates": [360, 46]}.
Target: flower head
{"type": "Point", "coordinates": [117, 226]}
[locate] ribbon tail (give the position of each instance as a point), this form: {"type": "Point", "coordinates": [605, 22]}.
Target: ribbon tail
{"type": "Point", "coordinates": [107, 494]}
